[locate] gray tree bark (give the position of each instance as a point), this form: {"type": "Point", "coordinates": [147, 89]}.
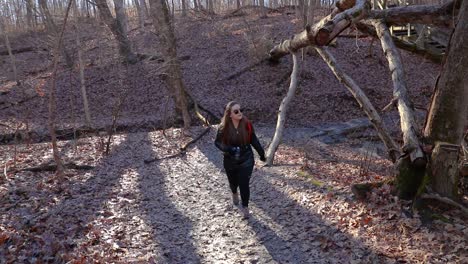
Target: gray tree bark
{"type": "Point", "coordinates": [121, 16]}
{"type": "Point", "coordinates": [411, 144]}
{"type": "Point", "coordinates": [184, 8]}
{"type": "Point", "coordinates": [10, 53]}
{"type": "Point", "coordinates": [324, 31]}
{"type": "Point", "coordinates": [448, 112]}
{"type": "Point", "coordinates": [283, 109]}
{"type": "Point", "coordinates": [141, 13]}
{"type": "Point", "coordinates": [351, 11]}
{"type": "Point", "coordinates": [53, 29]}
{"type": "Point", "coordinates": [174, 81]}
{"type": "Point", "coordinates": [82, 83]}
{"type": "Point", "coordinates": [52, 98]}
{"type": "Point", "coordinates": [30, 13]}
{"type": "Point", "coordinates": [118, 30]}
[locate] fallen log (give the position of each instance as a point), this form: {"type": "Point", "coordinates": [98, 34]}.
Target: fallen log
{"type": "Point", "coordinates": [53, 167]}
{"type": "Point", "coordinates": [411, 144]}
{"type": "Point", "coordinates": [324, 31]}
{"type": "Point", "coordinates": [18, 50]}
{"type": "Point", "coordinates": [364, 27]}
{"type": "Point", "coordinates": [439, 15]}
{"type": "Point", "coordinates": [347, 12]}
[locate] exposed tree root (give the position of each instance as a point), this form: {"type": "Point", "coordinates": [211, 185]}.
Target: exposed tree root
{"type": "Point", "coordinates": [435, 196]}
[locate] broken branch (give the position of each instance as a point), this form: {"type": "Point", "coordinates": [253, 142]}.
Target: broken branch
{"type": "Point", "coordinates": [364, 102]}
{"type": "Point", "coordinates": [411, 144]}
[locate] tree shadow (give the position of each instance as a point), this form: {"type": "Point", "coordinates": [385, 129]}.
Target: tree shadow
{"type": "Point", "coordinates": [171, 228]}
{"type": "Point", "coordinates": [74, 224]}
{"type": "Point", "coordinates": [290, 232]}
{"type": "Point", "coordinates": [68, 219]}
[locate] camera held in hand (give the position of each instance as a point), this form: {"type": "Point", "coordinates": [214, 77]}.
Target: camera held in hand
{"type": "Point", "coordinates": [236, 153]}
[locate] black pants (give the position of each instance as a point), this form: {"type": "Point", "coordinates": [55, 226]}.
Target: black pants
{"type": "Point", "coordinates": [239, 176]}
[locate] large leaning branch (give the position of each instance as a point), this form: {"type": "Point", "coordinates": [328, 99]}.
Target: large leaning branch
{"type": "Point", "coordinates": [363, 101]}
{"type": "Point", "coordinates": [351, 11]}
{"type": "Point", "coordinates": [323, 31]}
{"type": "Point", "coordinates": [365, 27]}
{"type": "Point", "coordinates": [270, 155]}
{"type": "Point", "coordinates": [438, 15]}
{"type": "Point", "coordinates": [409, 128]}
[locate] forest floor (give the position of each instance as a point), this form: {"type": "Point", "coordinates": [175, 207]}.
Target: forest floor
{"type": "Point", "coordinates": [178, 210]}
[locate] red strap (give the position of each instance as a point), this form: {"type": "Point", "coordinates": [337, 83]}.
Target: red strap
{"type": "Point", "coordinates": [249, 130]}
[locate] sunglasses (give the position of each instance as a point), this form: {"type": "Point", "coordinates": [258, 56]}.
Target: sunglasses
{"type": "Point", "coordinates": [237, 111]}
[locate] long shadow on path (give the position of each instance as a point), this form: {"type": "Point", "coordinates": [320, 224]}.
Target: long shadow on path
{"type": "Point", "coordinates": [172, 230]}
{"type": "Point", "coordinates": [290, 232]}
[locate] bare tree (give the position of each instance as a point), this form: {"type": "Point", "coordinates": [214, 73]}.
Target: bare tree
{"type": "Point", "coordinates": [82, 81]}
{"type": "Point", "coordinates": [141, 13]}
{"type": "Point", "coordinates": [30, 13]}
{"type": "Point", "coordinates": [412, 164]}
{"type": "Point", "coordinates": [161, 20]}
{"type": "Point", "coordinates": [120, 15]}
{"type": "Point", "coordinates": [448, 112]}
{"type": "Point", "coordinates": [184, 8]}
{"type": "Point", "coordinates": [10, 53]}
{"type": "Point", "coordinates": [53, 30]}
{"type": "Point", "coordinates": [270, 155]}
{"type": "Point", "coordinates": [52, 98]}
{"type": "Point", "coordinates": [118, 30]}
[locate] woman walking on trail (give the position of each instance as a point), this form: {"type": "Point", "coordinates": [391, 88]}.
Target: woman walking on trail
{"type": "Point", "coordinates": [234, 137]}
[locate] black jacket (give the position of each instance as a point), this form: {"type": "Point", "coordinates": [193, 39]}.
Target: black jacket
{"type": "Point", "coordinates": [246, 154]}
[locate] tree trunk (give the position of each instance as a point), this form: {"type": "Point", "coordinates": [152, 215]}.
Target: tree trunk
{"type": "Point", "coordinates": [120, 15]}
{"type": "Point", "coordinates": [161, 20]}
{"type": "Point", "coordinates": [364, 102]}
{"type": "Point", "coordinates": [448, 112]}
{"type": "Point", "coordinates": [145, 7]}
{"type": "Point", "coordinates": [351, 11]}
{"type": "Point", "coordinates": [117, 28]}
{"type": "Point", "coordinates": [440, 15]}
{"type": "Point", "coordinates": [30, 13]}
{"type": "Point", "coordinates": [141, 13]}
{"type": "Point", "coordinates": [47, 17]}
{"type": "Point", "coordinates": [283, 109]}
{"type": "Point", "coordinates": [325, 30]}
{"type": "Point", "coordinates": [82, 82]}
{"type": "Point", "coordinates": [52, 98]}
{"type": "Point", "coordinates": [10, 53]}
{"type": "Point", "coordinates": [184, 8]}
{"type": "Point", "coordinates": [210, 6]}
{"type": "Point", "coordinates": [411, 145]}
{"type": "Point", "coordinates": [52, 28]}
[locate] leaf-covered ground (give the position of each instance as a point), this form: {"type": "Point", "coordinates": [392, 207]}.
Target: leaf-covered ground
{"type": "Point", "coordinates": [179, 210]}
{"type": "Point", "coordinates": [211, 51]}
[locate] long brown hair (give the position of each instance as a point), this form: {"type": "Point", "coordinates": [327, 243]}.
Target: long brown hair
{"type": "Point", "coordinates": [229, 131]}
